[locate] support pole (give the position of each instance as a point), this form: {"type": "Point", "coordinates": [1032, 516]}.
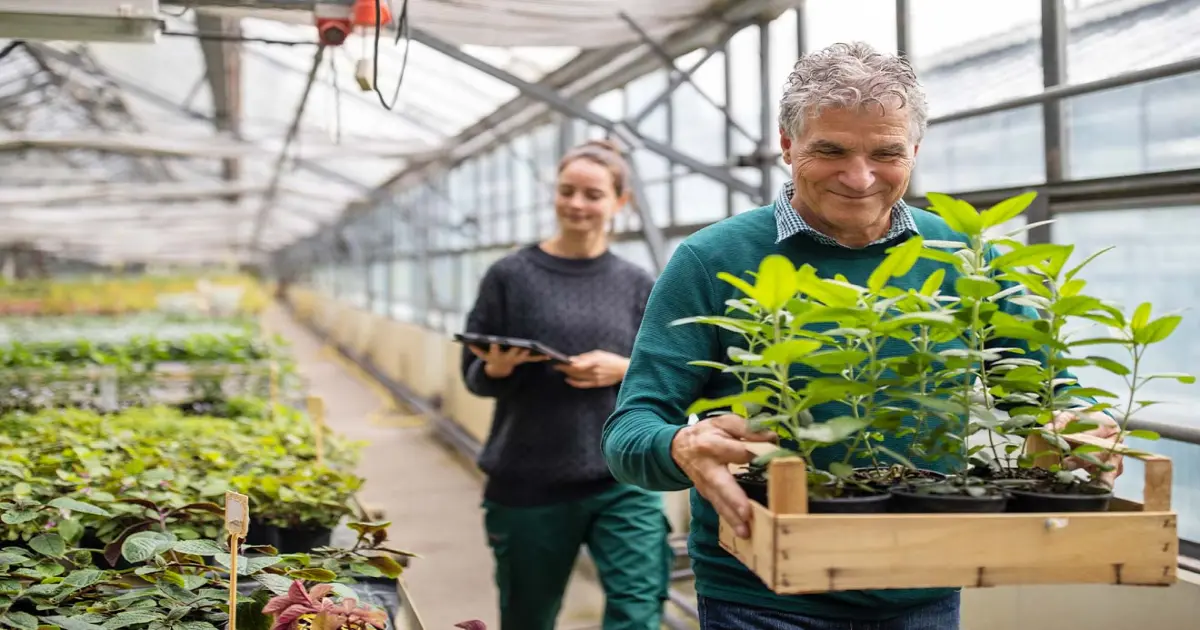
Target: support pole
{"type": "Point", "coordinates": [1054, 73]}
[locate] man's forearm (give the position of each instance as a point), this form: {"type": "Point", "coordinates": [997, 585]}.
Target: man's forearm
{"type": "Point", "coordinates": [637, 447]}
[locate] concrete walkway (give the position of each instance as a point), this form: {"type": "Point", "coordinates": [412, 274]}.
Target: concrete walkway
{"type": "Point", "coordinates": [429, 494]}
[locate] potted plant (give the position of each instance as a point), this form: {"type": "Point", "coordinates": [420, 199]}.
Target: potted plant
{"type": "Point", "coordinates": [807, 343]}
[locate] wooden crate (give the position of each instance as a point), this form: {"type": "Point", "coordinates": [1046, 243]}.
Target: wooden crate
{"type": "Point", "coordinates": [795, 552]}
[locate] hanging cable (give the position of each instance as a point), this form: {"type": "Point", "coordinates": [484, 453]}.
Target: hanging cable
{"type": "Point", "coordinates": [402, 30]}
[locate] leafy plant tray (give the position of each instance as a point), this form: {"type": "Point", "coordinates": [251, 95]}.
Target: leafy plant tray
{"type": "Point", "coordinates": [794, 552]}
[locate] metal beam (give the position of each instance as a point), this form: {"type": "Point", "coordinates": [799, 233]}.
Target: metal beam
{"type": "Point", "coordinates": [158, 99]}
{"type": "Point", "coordinates": [1054, 124]}
{"type": "Point", "coordinates": [570, 108]}
{"type": "Point", "coordinates": [211, 147]}
{"type": "Point", "coordinates": [1059, 92]}
{"type": "Point", "coordinates": [223, 70]}
{"type": "Point", "coordinates": [679, 76]}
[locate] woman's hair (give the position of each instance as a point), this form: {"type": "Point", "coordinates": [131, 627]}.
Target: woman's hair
{"type": "Point", "coordinates": [605, 153]}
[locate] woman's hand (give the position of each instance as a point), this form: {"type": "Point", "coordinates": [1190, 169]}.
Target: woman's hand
{"type": "Point", "coordinates": [595, 369]}
{"type": "Point", "coordinates": [499, 363]}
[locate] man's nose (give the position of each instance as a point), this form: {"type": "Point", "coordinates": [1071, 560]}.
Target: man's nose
{"type": "Point", "coordinates": [857, 175]}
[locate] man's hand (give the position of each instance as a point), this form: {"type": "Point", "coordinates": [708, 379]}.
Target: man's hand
{"type": "Point", "coordinates": [1107, 429]}
{"type": "Point", "coordinates": [595, 369]}
{"type": "Point", "coordinates": [705, 450]}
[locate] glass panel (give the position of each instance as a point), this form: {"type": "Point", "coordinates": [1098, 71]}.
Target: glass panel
{"type": "Point", "coordinates": [744, 90]}
{"type": "Point", "coordinates": [1136, 129]}
{"type": "Point", "coordinates": [993, 151]}
{"type": "Point", "coordinates": [970, 54]}
{"type": "Point", "coordinates": [826, 23]}
{"type": "Point", "coordinates": [1152, 262]}
{"type": "Point", "coordinates": [1160, 32]}
{"type": "Point", "coordinates": [699, 199]}
{"type": "Point", "coordinates": [640, 92]}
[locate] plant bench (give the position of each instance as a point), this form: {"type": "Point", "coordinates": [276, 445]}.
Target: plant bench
{"type": "Point", "coordinates": [795, 552]}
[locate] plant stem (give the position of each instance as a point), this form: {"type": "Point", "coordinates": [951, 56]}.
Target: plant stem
{"type": "Point", "coordinates": [1136, 354]}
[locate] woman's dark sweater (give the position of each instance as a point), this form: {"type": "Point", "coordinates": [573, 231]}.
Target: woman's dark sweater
{"type": "Point", "coordinates": [544, 445]}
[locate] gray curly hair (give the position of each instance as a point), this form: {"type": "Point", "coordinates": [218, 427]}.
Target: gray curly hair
{"type": "Point", "coordinates": [848, 76]}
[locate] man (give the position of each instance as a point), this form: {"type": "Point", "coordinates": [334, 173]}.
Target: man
{"type": "Point", "coordinates": [850, 120]}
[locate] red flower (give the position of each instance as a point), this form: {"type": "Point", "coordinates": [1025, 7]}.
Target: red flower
{"type": "Point", "coordinates": [330, 615]}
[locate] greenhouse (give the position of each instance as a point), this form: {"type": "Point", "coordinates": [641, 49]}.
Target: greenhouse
{"type": "Point", "coordinates": [521, 315]}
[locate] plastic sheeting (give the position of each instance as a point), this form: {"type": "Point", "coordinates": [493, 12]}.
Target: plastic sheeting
{"type": "Point", "coordinates": [348, 143]}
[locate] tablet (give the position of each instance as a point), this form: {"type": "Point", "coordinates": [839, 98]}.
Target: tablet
{"type": "Point", "coordinates": [536, 347]}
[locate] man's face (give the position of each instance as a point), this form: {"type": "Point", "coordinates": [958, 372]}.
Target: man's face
{"type": "Point", "coordinates": [850, 167]}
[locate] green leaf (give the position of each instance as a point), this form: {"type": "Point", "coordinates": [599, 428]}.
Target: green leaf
{"type": "Point", "coordinates": [387, 566]}
{"type": "Point", "coordinates": [1031, 255]}
{"type": "Point", "coordinates": [49, 568]}
{"type": "Point", "coordinates": [899, 261]}
{"type": "Point", "coordinates": [313, 575]}
{"type": "Point", "coordinates": [733, 324]}
{"type": "Point", "coordinates": [257, 563]}
{"type": "Point", "coordinates": [831, 431]}
{"type": "Point", "coordinates": [1141, 316]}
{"type": "Point", "coordinates": [1006, 210]}
{"type": "Point", "coordinates": [66, 503]}
{"type": "Point", "coordinates": [934, 281]}
{"type": "Point", "coordinates": [1077, 268]}
{"type": "Point", "coordinates": [776, 282]}
{"type": "Point", "coordinates": [841, 471]}
{"type": "Point", "coordinates": [958, 214]}
{"type": "Point", "coordinates": [708, 364]}
{"type": "Point", "coordinates": [10, 558]}
{"type": "Point", "coordinates": [1143, 434]}
{"type": "Point", "coordinates": [977, 287]}
{"type": "Point", "coordinates": [81, 578]}
{"type": "Point", "coordinates": [275, 583]}
{"type": "Point", "coordinates": [202, 625]}
{"type": "Point", "coordinates": [198, 547]}
{"type": "Point", "coordinates": [758, 396]}
{"type": "Point", "coordinates": [16, 517]}
{"type": "Point", "coordinates": [738, 283]}
{"type": "Point", "coordinates": [131, 618]}
{"type": "Point", "coordinates": [1186, 379]}
{"type": "Point", "coordinates": [19, 620]}
{"type": "Point", "coordinates": [70, 529]}
{"type": "Point", "coordinates": [1157, 330]}
{"type": "Point", "coordinates": [142, 546]}
{"type": "Point", "coordinates": [834, 361]}
{"type": "Point", "coordinates": [51, 544]}
{"type": "Point", "coordinates": [790, 351]}
{"type": "Point", "coordinates": [1110, 365]}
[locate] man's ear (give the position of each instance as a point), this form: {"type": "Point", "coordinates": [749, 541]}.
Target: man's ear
{"type": "Point", "coordinates": [785, 144]}
{"type": "Point", "coordinates": [916, 147]}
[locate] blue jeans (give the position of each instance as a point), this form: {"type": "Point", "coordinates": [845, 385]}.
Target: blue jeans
{"type": "Point", "coordinates": [722, 615]}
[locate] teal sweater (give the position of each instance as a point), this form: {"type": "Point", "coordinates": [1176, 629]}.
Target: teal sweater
{"type": "Point", "coordinates": [660, 385]}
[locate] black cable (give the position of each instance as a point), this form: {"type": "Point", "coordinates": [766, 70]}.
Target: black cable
{"type": "Point", "coordinates": [220, 37]}
{"type": "Point", "coordinates": [402, 30]}
{"type": "Point", "coordinates": [13, 45]}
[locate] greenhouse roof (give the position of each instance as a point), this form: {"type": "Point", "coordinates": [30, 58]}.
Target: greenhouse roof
{"type": "Point", "coordinates": [123, 151]}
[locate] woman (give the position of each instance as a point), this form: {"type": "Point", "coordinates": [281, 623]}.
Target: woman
{"type": "Point", "coordinates": [549, 490]}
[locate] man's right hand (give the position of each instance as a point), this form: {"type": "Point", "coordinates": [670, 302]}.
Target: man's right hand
{"type": "Point", "coordinates": [501, 363]}
{"type": "Point", "coordinates": [704, 451]}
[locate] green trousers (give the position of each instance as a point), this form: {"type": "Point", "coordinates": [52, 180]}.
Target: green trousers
{"type": "Point", "coordinates": [535, 548]}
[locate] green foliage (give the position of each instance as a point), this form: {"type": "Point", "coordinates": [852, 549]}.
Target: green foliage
{"type": "Point", "coordinates": [986, 365]}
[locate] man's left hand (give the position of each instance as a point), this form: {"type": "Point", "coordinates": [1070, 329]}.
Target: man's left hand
{"type": "Point", "coordinates": [1107, 429]}
{"type": "Point", "coordinates": [595, 369]}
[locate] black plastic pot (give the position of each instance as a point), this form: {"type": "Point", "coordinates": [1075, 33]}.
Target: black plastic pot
{"type": "Point", "coordinates": [872, 504]}
{"type": "Point", "coordinates": [909, 502]}
{"type": "Point", "coordinates": [262, 534]}
{"type": "Point", "coordinates": [303, 539]}
{"type": "Point", "coordinates": [1026, 501]}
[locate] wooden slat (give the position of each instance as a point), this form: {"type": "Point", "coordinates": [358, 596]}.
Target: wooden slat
{"type": "Point", "coordinates": [819, 552]}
